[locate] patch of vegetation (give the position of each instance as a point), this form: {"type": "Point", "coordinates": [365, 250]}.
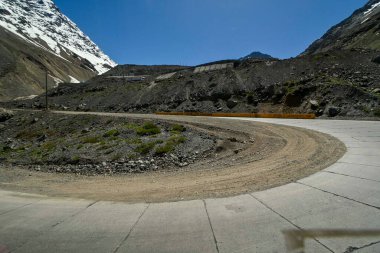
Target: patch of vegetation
{"type": "Point", "coordinates": [132, 126]}
{"type": "Point", "coordinates": [116, 157]}
{"type": "Point", "coordinates": [29, 134]}
{"type": "Point", "coordinates": [49, 146]}
{"type": "Point", "coordinates": [112, 132]}
{"type": "Point", "coordinates": [170, 145]}
{"type": "Point", "coordinates": [133, 141]}
{"type": "Point", "coordinates": [164, 149]}
{"type": "Point", "coordinates": [178, 128]}
{"type": "Point", "coordinates": [145, 148]}
{"type": "Point", "coordinates": [91, 139]}
{"type": "Point", "coordinates": [149, 128]}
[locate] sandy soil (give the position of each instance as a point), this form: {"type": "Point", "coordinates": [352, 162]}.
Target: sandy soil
{"type": "Point", "coordinates": [263, 157]}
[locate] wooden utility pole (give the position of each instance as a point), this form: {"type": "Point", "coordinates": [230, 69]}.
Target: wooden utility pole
{"type": "Point", "coordinates": [46, 89]}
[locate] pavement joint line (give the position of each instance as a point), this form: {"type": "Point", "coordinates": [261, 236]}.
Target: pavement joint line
{"type": "Point", "coordinates": [362, 154]}
{"type": "Point", "coordinates": [289, 221]}
{"type": "Point", "coordinates": [54, 225]}
{"type": "Point", "coordinates": [131, 230]}
{"type": "Point", "coordinates": [336, 173]}
{"type": "Point", "coordinates": [75, 214]}
{"type": "Point", "coordinates": [19, 207]}
{"type": "Point", "coordinates": [360, 164]}
{"type": "Point", "coordinates": [366, 246]}
{"type": "Point", "coordinates": [354, 200]}
{"type": "Point", "coordinates": [212, 229]}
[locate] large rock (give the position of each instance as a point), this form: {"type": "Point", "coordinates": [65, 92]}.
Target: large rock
{"type": "Point", "coordinates": [5, 114]}
{"type": "Point", "coordinates": [332, 111]}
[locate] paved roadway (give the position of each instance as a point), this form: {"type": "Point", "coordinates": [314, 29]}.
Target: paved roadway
{"type": "Point", "coordinates": [344, 197]}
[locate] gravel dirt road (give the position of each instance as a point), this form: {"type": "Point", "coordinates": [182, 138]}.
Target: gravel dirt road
{"type": "Point", "coordinates": [256, 156]}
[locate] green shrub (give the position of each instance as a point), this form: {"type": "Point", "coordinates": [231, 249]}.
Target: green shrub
{"type": "Point", "coordinates": [148, 129]}
{"type": "Point", "coordinates": [91, 139]}
{"type": "Point", "coordinates": [169, 146]}
{"type": "Point", "coordinates": [112, 132]}
{"type": "Point", "coordinates": [160, 150]}
{"type": "Point", "coordinates": [145, 148]}
{"type": "Point", "coordinates": [177, 139]}
{"type": "Point", "coordinates": [178, 128]}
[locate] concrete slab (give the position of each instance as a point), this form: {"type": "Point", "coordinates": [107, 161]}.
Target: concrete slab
{"type": "Point", "coordinates": [243, 224]}
{"type": "Point", "coordinates": [364, 151]}
{"type": "Point", "coordinates": [356, 170]}
{"type": "Point", "coordinates": [309, 208]}
{"type": "Point", "coordinates": [361, 159]}
{"type": "Point", "coordinates": [172, 227]}
{"type": "Point", "coordinates": [11, 201]}
{"type": "Point", "coordinates": [28, 223]}
{"type": "Point", "coordinates": [100, 228]}
{"type": "Point", "coordinates": [361, 190]}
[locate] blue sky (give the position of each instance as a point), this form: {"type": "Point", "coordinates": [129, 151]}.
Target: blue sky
{"type": "Point", "coordinates": [190, 32]}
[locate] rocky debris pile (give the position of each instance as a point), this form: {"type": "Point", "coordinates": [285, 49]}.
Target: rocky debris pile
{"type": "Point", "coordinates": [90, 145]}
{"type": "Point", "coordinates": [142, 165]}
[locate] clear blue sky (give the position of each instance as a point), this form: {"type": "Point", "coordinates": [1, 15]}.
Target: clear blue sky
{"type": "Point", "coordinates": [191, 32]}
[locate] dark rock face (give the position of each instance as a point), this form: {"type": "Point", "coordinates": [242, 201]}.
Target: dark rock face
{"type": "Point", "coordinates": [333, 111]}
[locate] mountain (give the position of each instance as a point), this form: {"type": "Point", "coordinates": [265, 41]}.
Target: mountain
{"type": "Point", "coordinates": [336, 78]}
{"type": "Point", "coordinates": [256, 55]}
{"type": "Point", "coordinates": [360, 30]}
{"type": "Point", "coordinates": [35, 35]}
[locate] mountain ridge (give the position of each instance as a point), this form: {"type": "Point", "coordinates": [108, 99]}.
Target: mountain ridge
{"type": "Point", "coordinates": [360, 30]}
{"type": "Point", "coordinates": [36, 37]}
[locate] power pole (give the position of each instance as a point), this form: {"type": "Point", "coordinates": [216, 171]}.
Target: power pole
{"type": "Point", "coordinates": [46, 89]}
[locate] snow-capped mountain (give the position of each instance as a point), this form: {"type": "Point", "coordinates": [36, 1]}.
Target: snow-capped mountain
{"type": "Point", "coordinates": [360, 30]}
{"type": "Point", "coordinates": [41, 23]}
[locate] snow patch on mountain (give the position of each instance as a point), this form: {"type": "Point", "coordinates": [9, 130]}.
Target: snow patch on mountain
{"type": "Point", "coordinates": [41, 23]}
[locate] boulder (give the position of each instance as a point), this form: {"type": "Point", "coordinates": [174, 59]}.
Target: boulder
{"type": "Point", "coordinates": [314, 104]}
{"type": "Point", "coordinates": [5, 114]}
{"type": "Point", "coordinates": [332, 111]}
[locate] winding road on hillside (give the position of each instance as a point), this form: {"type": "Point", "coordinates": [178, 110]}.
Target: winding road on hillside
{"type": "Point", "coordinates": [334, 210]}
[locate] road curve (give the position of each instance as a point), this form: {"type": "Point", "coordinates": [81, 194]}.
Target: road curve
{"type": "Point", "coordinates": [336, 210]}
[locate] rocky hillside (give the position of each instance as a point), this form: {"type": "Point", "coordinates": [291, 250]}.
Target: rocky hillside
{"type": "Point", "coordinates": [35, 35]}
{"type": "Point", "coordinates": [343, 82]}
{"type": "Point", "coordinates": [360, 30]}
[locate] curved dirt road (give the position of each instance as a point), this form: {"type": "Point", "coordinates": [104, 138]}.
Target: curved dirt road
{"type": "Point", "coordinates": [267, 156]}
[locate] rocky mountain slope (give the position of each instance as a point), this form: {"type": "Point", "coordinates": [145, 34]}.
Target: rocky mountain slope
{"type": "Point", "coordinates": [360, 30]}
{"type": "Point", "coordinates": [35, 35]}
{"type": "Point", "coordinates": [334, 82]}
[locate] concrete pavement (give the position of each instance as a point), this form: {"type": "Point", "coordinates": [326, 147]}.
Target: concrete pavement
{"type": "Point", "coordinates": [343, 197]}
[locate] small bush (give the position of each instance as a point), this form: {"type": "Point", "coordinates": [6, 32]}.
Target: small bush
{"type": "Point", "coordinates": [148, 129]}
{"type": "Point", "coordinates": [91, 139]}
{"type": "Point", "coordinates": [177, 139]}
{"type": "Point", "coordinates": [112, 132]}
{"type": "Point", "coordinates": [178, 128]}
{"type": "Point", "coordinates": [160, 150]}
{"type": "Point", "coordinates": [49, 146]}
{"type": "Point", "coordinates": [145, 148]}
{"type": "Point", "coordinates": [170, 144]}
